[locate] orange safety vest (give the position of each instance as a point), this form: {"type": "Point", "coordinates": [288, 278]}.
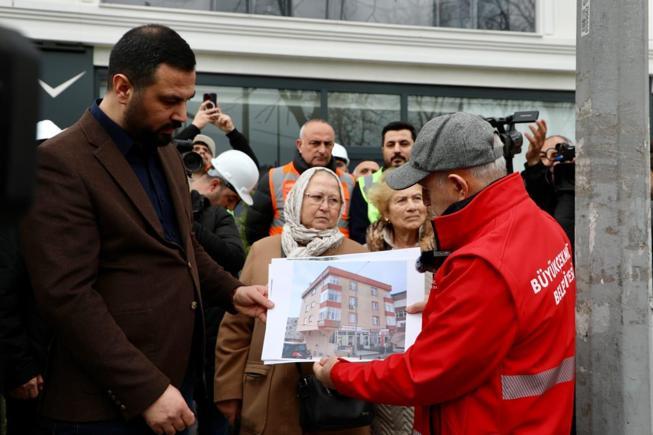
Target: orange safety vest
{"type": "Point", "coordinates": [283, 178]}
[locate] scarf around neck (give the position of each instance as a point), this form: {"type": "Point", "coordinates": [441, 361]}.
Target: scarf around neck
{"type": "Point", "coordinates": [298, 241]}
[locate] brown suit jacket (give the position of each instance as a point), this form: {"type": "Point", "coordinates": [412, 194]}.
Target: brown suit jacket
{"type": "Point", "coordinates": [268, 392]}
{"type": "Point", "coordinates": [120, 298]}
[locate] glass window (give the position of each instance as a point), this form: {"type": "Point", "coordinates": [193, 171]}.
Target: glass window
{"type": "Point", "coordinates": [329, 314]}
{"type": "Point", "coordinates": [269, 118]}
{"type": "Point", "coordinates": [514, 15]}
{"type": "Point", "coordinates": [353, 302]}
{"type": "Point", "coordinates": [181, 4]}
{"type": "Point", "coordinates": [560, 116]}
{"type": "Point", "coordinates": [375, 306]}
{"type": "Point", "coordinates": [389, 308]}
{"type": "Point", "coordinates": [374, 291]}
{"type": "Point", "coordinates": [352, 318]}
{"type": "Point", "coordinates": [390, 320]}
{"type": "Point", "coordinates": [330, 295]}
{"type": "Point", "coordinates": [375, 320]}
{"type": "Point", "coordinates": [358, 119]}
{"type": "Point", "coordinates": [353, 286]}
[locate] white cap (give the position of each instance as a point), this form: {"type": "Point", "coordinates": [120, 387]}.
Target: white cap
{"type": "Point", "coordinates": [46, 129]}
{"type": "Point", "coordinates": [340, 152]}
{"type": "Point", "coordinates": [206, 140]}
{"type": "Point", "coordinates": [239, 170]}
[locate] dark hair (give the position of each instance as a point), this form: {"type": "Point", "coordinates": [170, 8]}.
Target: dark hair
{"type": "Point", "coordinates": [398, 125]}
{"type": "Point", "coordinates": [142, 49]}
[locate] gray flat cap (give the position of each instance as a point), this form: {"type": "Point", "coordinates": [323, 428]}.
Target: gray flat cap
{"type": "Point", "coordinates": [453, 141]}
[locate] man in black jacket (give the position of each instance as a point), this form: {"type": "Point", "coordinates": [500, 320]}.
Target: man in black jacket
{"type": "Point", "coordinates": [24, 339]}
{"type": "Point", "coordinates": [549, 177]}
{"type": "Point", "coordinates": [205, 115]}
{"type": "Point", "coordinates": [215, 229]}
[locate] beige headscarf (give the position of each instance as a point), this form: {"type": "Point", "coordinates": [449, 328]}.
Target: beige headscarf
{"type": "Point", "coordinates": [296, 239]}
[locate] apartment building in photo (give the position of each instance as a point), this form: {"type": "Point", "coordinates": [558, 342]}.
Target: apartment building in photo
{"type": "Point", "coordinates": [400, 302]}
{"type": "Point", "coordinates": [347, 314]}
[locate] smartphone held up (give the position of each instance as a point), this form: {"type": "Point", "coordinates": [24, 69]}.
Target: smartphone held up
{"type": "Point", "coordinates": [213, 98]}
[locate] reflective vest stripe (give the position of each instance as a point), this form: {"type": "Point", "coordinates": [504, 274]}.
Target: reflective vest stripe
{"type": "Point", "coordinates": [284, 177]}
{"type": "Point", "coordinates": [519, 386]}
{"type": "Point", "coordinates": [373, 213]}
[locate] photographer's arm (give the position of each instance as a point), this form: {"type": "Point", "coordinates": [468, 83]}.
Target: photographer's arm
{"type": "Point", "coordinates": [237, 140]}
{"type": "Point", "coordinates": [203, 117]}
{"type": "Point", "coordinates": [535, 141]}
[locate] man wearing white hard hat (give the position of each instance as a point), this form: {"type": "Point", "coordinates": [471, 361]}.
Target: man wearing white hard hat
{"type": "Point", "coordinates": [341, 157]}
{"type": "Point", "coordinates": [214, 196]}
{"type": "Point", "coordinates": [231, 179]}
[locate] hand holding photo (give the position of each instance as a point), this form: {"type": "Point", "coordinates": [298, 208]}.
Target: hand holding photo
{"type": "Point", "coordinates": [350, 306]}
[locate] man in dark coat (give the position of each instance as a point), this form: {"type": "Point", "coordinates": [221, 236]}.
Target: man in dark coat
{"type": "Point", "coordinates": [215, 229]}
{"type": "Point", "coordinates": [549, 177]}
{"type": "Point", "coordinates": [115, 267]}
{"type": "Point", "coordinates": [24, 338]}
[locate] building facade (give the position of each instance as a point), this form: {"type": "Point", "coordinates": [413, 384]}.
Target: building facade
{"type": "Point", "coordinates": [357, 63]}
{"type": "Point", "coordinates": [400, 302]}
{"type": "Point", "coordinates": [343, 313]}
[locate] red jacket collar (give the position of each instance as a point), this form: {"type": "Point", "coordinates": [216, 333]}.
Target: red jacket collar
{"type": "Point", "coordinates": [459, 228]}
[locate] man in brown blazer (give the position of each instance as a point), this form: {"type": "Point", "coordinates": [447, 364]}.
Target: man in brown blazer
{"type": "Point", "coordinates": [116, 270]}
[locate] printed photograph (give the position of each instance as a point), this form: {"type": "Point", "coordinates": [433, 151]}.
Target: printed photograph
{"type": "Point", "coordinates": [354, 309]}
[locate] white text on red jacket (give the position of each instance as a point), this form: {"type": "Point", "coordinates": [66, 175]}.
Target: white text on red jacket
{"type": "Point", "coordinates": [544, 277]}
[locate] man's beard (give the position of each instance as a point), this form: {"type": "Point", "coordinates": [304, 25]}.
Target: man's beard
{"type": "Point", "coordinates": [142, 133]}
{"type": "Point", "coordinates": [396, 161]}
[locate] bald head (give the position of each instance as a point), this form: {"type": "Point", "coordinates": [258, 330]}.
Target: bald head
{"type": "Point", "coordinates": [315, 142]}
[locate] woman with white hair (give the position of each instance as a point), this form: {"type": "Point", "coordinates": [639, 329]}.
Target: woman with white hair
{"type": "Point", "coordinates": [264, 397]}
{"type": "Point", "coordinates": [403, 224]}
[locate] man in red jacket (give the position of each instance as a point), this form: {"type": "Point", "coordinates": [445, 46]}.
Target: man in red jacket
{"type": "Point", "coordinates": [496, 351]}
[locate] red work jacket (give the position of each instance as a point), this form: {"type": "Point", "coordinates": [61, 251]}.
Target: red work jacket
{"type": "Point", "coordinates": [496, 351]}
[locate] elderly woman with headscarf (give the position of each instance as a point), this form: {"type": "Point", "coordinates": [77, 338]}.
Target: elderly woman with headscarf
{"type": "Point", "coordinates": [403, 224]}
{"type": "Point", "coordinates": [264, 397]}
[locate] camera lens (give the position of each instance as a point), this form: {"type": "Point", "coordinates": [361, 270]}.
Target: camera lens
{"type": "Point", "coordinates": [193, 162]}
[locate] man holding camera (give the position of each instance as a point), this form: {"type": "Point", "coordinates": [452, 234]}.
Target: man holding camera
{"type": "Point", "coordinates": [207, 114]}
{"type": "Point", "coordinates": [497, 346]}
{"type": "Point", "coordinates": [116, 270]}
{"type": "Point", "coordinates": [549, 174]}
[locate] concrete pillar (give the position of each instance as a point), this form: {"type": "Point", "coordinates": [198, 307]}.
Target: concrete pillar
{"type": "Point", "coordinates": [613, 239]}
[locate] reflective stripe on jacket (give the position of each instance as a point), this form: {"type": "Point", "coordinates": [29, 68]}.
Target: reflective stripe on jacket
{"type": "Point", "coordinates": [283, 178]}
{"type": "Point", "coordinates": [366, 182]}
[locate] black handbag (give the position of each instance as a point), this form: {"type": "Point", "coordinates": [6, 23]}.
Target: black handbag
{"type": "Point", "coordinates": [321, 408]}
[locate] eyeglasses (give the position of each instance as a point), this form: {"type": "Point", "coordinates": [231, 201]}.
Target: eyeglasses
{"type": "Point", "coordinates": [549, 154]}
{"type": "Point", "coordinates": [318, 198]}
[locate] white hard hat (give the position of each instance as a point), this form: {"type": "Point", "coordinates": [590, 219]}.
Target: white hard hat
{"type": "Point", "coordinates": [340, 152]}
{"type": "Point", "coordinates": [46, 129]}
{"type": "Point", "coordinates": [237, 169]}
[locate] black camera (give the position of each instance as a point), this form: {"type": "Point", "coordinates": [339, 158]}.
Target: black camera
{"type": "Point", "coordinates": [512, 139]}
{"type": "Point", "coordinates": [193, 162]}
{"type": "Point", "coordinates": [565, 152]}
